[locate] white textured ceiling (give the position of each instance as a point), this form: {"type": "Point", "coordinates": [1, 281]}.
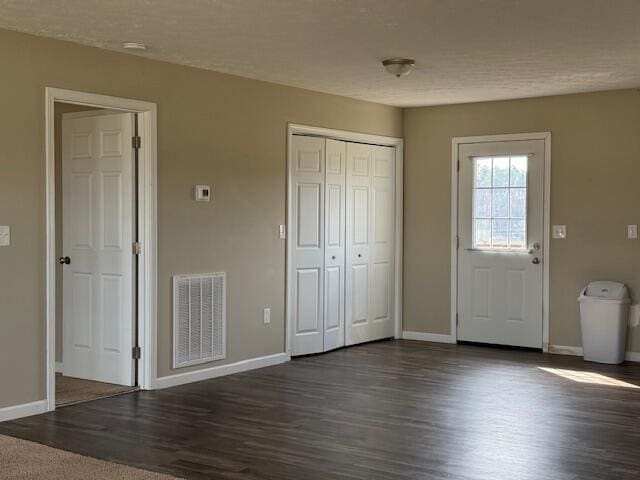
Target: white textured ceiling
{"type": "Point", "coordinates": [465, 50]}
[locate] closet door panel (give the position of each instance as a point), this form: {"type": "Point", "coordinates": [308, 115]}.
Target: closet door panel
{"type": "Point", "coordinates": [306, 272]}
{"type": "Point", "coordinates": [383, 245]}
{"type": "Point", "coordinates": [334, 247]}
{"type": "Point", "coordinates": [358, 248]}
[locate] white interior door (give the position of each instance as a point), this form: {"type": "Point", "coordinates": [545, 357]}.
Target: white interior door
{"type": "Point", "coordinates": [334, 257]}
{"type": "Point", "coordinates": [306, 271]}
{"type": "Point", "coordinates": [370, 250]}
{"type": "Point", "coordinates": [500, 227]}
{"type": "Point", "coordinates": [97, 183]}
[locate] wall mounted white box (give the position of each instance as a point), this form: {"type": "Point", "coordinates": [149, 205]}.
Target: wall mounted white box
{"type": "Point", "coordinates": [203, 193]}
{"type": "Point", "coordinates": [5, 235]}
{"type": "Point", "coordinates": [632, 232]}
{"type": "Point", "coordinates": [559, 231]}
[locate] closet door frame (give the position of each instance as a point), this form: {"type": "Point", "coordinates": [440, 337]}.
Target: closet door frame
{"type": "Point", "coordinates": [395, 142]}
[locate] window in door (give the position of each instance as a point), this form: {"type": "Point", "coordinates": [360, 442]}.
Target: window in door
{"type": "Point", "coordinates": [500, 202]}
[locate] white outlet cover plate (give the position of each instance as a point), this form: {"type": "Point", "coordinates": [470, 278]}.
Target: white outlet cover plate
{"type": "Point", "coordinates": [5, 235]}
{"type": "Point", "coordinates": [632, 232]}
{"type": "Point", "coordinates": [559, 231]}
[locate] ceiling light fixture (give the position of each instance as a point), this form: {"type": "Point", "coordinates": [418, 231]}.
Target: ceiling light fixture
{"type": "Point", "coordinates": [398, 66]}
{"type": "Point", "coordinates": [134, 46]}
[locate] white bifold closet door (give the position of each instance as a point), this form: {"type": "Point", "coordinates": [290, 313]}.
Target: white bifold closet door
{"type": "Point", "coordinates": [342, 230]}
{"type": "Point", "coordinates": [370, 243]}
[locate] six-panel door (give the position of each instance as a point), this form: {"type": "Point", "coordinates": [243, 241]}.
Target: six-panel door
{"type": "Point", "coordinates": [97, 185]}
{"type": "Point", "coordinates": [341, 277]}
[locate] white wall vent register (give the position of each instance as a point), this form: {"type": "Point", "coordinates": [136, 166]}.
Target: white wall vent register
{"type": "Point", "coordinates": [199, 318]}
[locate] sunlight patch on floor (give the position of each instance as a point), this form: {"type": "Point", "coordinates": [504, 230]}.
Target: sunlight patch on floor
{"type": "Point", "coordinates": [588, 377]}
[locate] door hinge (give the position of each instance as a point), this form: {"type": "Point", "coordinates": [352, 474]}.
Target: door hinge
{"type": "Point", "coordinates": [457, 242]}
{"type": "Point", "coordinates": [458, 165]}
{"type": "Point", "coordinates": [136, 353]}
{"type": "Point", "coordinates": [456, 319]}
{"type": "Point", "coordinates": [136, 142]}
{"type": "Point", "coordinates": [137, 248]}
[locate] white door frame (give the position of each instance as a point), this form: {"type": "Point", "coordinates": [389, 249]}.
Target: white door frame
{"type": "Point", "coordinates": [147, 218]}
{"type": "Point", "coordinates": [398, 144]}
{"type": "Point", "coordinates": [455, 144]}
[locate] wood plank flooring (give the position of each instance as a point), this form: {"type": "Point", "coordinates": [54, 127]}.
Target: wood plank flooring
{"type": "Point", "coordinates": [387, 410]}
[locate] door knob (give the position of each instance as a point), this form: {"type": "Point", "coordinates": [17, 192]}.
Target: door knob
{"type": "Point", "coordinates": [333, 257]}
{"type": "Point", "coordinates": [535, 261]}
{"type": "Point", "coordinates": [64, 260]}
{"type": "Point", "coordinates": [359, 255]}
{"type": "Point", "coordinates": [536, 247]}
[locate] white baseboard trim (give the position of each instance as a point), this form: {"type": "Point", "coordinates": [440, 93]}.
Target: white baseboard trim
{"type": "Point", "coordinates": [23, 410]}
{"type": "Point", "coordinates": [58, 367]}
{"type": "Point", "coordinates": [577, 351]}
{"type": "Point", "coordinates": [219, 371]}
{"type": "Point", "coordinates": [428, 337]}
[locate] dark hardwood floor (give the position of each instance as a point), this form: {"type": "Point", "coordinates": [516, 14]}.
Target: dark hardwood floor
{"type": "Point", "coordinates": [394, 409]}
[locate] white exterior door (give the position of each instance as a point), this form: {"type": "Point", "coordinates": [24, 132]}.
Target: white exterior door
{"type": "Point", "coordinates": [97, 184]}
{"type": "Point", "coordinates": [334, 254]}
{"type": "Point", "coordinates": [306, 272]}
{"type": "Point", "coordinates": [500, 228]}
{"type": "Point", "coordinates": [370, 232]}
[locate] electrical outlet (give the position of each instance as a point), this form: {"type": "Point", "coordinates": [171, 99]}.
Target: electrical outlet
{"type": "Point", "coordinates": [632, 232]}
{"type": "Point", "coordinates": [283, 232]}
{"type": "Point", "coordinates": [266, 315]}
{"type": "Point", "coordinates": [5, 236]}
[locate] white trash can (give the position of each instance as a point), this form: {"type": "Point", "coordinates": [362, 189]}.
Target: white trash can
{"type": "Point", "coordinates": [604, 312]}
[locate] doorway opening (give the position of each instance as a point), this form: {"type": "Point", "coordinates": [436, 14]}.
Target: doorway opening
{"type": "Point", "coordinates": [101, 223]}
{"type": "Point", "coordinates": [96, 223]}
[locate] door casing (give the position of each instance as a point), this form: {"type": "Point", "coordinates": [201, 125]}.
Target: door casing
{"type": "Point", "coordinates": [398, 144]}
{"type": "Point", "coordinates": [147, 225]}
{"type": "Point", "coordinates": [455, 148]}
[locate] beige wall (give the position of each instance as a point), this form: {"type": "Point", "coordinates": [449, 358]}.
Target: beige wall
{"type": "Point", "coordinates": [595, 173]}
{"type": "Point", "coordinates": [213, 128]}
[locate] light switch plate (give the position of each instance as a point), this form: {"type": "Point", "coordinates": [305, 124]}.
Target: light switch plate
{"type": "Point", "coordinates": [632, 232]}
{"type": "Point", "coordinates": [203, 193]}
{"type": "Point", "coordinates": [266, 315]}
{"type": "Point", "coordinates": [5, 235]}
{"type": "Point", "coordinates": [283, 232]}
{"type": "Point", "coordinates": [560, 231]}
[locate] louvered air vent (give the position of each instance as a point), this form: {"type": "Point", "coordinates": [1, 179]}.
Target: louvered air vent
{"type": "Point", "coordinates": [199, 318]}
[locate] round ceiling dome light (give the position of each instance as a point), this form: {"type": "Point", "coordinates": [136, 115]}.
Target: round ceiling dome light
{"type": "Point", "coordinates": [134, 46]}
{"type": "Point", "coordinates": [398, 66]}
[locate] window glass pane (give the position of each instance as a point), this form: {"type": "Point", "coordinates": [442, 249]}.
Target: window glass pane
{"type": "Point", "coordinates": [483, 234]}
{"type": "Point", "coordinates": [500, 233]}
{"type": "Point", "coordinates": [519, 171]}
{"type": "Point", "coordinates": [483, 203]}
{"type": "Point", "coordinates": [518, 202]}
{"type": "Point", "coordinates": [518, 237]}
{"type": "Point", "coordinates": [500, 172]}
{"type": "Point", "coordinates": [483, 172]}
{"type": "Point", "coordinates": [500, 203]}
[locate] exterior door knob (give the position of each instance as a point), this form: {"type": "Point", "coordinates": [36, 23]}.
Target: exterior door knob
{"type": "Point", "coordinates": [535, 261]}
{"type": "Point", "coordinates": [64, 260]}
